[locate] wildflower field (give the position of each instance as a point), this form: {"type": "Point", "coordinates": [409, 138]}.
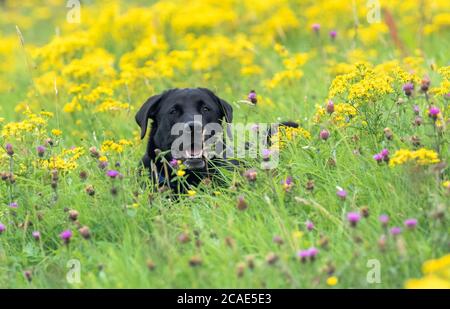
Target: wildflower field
{"type": "Point", "coordinates": [359, 198]}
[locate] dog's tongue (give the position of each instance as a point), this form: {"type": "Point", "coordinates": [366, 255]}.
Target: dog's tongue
{"type": "Point", "coordinates": [194, 163]}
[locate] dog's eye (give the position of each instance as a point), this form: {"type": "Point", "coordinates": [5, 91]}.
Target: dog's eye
{"type": "Point", "coordinates": [205, 109]}
{"type": "Point", "coordinates": [173, 111]}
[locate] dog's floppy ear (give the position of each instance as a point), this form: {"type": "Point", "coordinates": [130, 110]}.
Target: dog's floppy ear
{"type": "Point", "coordinates": [227, 110]}
{"type": "Point", "coordinates": [147, 110]}
{"type": "Point", "coordinates": [224, 106]}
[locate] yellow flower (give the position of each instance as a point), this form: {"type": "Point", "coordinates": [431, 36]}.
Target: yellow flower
{"type": "Point", "coordinates": [436, 275]}
{"type": "Point", "coordinates": [332, 281]}
{"type": "Point", "coordinates": [56, 132]}
{"type": "Point", "coordinates": [46, 114]}
{"type": "Point", "coordinates": [344, 114]}
{"type": "Point", "coordinates": [297, 234]}
{"type": "Point", "coordinates": [65, 161]}
{"type": "Point", "coordinates": [286, 134]}
{"type": "Point", "coordinates": [111, 146]}
{"type": "Point", "coordinates": [421, 156]}
{"type": "Point", "coordinates": [103, 159]}
{"type": "Point", "coordinates": [31, 124]}
{"type": "Point", "coordinates": [112, 105]}
{"type": "Point", "coordinates": [428, 282]}
{"type": "Point", "coordinates": [72, 106]}
{"type": "Point", "coordinates": [180, 173]}
{"type": "Point", "coordinates": [191, 193]}
{"type": "Point", "coordinates": [437, 265]}
{"type": "Point", "coordinates": [446, 184]}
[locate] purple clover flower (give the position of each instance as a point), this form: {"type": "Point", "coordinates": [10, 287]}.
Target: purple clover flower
{"type": "Point", "coordinates": [324, 134]}
{"type": "Point", "coordinates": [433, 112]}
{"type": "Point", "coordinates": [333, 34]}
{"type": "Point", "coordinates": [309, 225]}
{"type": "Point", "coordinates": [396, 230]}
{"type": "Point", "coordinates": [382, 155]}
{"type": "Point", "coordinates": [410, 223]}
{"type": "Point", "coordinates": [315, 28]}
{"type": "Point", "coordinates": [266, 154]}
{"type": "Point", "coordinates": [303, 255]}
{"type": "Point", "coordinates": [312, 252]}
{"type": "Point", "coordinates": [353, 218]}
{"type": "Point", "coordinates": [40, 150]}
{"type": "Point", "coordinates": [112, 174]}
{"type": "Point", "coordinates": [36, 235]}
{"type": "Point", "coordinates": [342, 194]}
{"type": "Point", "coordinates": [66, 236]}
{"type": "Point", "coordinates": [408, 88]}
{"type": "Point", "coordinates": [384, 219]}
{"type": "Point", "coordinates": [252, 97]}
{"type": "Point", "coordinates": [378, 157]}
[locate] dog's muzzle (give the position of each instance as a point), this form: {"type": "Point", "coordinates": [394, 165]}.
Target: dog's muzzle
{"type": "Point", "coordinates": [193, 153]}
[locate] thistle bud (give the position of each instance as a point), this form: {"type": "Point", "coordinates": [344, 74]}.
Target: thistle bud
{"type": "Point", "coordinates": [241, 203]}
{"type": "Point", "coordinates": [9, 150]}
{"type": "Point", "coordinates": [425, 84]}
{"type": "Point", "coordinates": [73, 214]}
{"type": "Point", "coordinates": [195, 261]}
{"type": "Point", "coordinates": [271, 258]}
{"type": "Point", "coordinates": [94, 152]}
{"type": "Point", "coordinates": [90, 190]}
{"type": "Point", "coordinates": [330, 107]}
{"type": "Point", "coordinates": [150, 265]}
{"type": "Point", "coordinates": [184, 238]}
{"type": "Point", "coordinates": [388, 133]}
{"type": "Point", "coordinates": [85, 232]}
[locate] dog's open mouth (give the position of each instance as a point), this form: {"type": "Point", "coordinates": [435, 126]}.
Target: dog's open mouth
{"type": "Point", "coordinates": [193, 157]}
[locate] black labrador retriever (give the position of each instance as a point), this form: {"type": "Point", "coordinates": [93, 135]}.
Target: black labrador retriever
{"type": "Point", "coordinates": [194, 109]}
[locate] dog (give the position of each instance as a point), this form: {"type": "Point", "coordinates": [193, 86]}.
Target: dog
{"type": "Point", "coordinates": [192, 110]}
{"type": "Point", "coordinates": [185, 107]}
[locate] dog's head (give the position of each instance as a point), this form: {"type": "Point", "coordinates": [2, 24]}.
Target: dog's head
{"type": "Point", "coordinates": [192, 109]}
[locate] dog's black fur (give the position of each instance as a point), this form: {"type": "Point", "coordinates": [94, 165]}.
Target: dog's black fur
{"type": "Point", "coordinates": [179, 106]}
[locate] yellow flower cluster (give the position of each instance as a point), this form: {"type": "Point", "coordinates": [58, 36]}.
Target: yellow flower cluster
{"type": "Point", "coordinates": [341, 117]}
{"type": "Point", "coordinates": [65, 161]}
{"type": "Point", "coordinates": [434, 15]}
{"type": "Point", "coordinates": [366, 84]}
{"type": "Point", "coordinates": [444, 86]}
{"type": "Point", "coordinates": [286, 134]}
{"type": "Point", "coordinates": [421, 156]}
{"type": "Point", "coordinates": [291, 66]}
{"type": "Point", "coordinates": [436, 275]}
{"type": "Point", "coordinates": [112, 105]}
{"type": "Point", "coordinates": [33, 123]}
{"type": "Point", "coordinates": [109, 146]}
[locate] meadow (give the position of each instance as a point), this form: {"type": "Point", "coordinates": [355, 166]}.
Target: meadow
{"type": "Point", "coordinates": [359, 199]}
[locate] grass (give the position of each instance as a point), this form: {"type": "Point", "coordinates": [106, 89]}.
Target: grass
{"type": "Point", "coordinates": [142, 237]}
